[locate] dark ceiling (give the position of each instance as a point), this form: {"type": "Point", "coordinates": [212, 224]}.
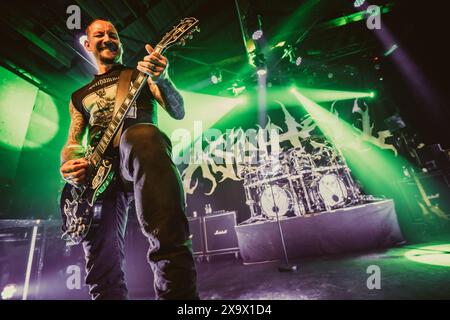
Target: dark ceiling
{"type": "Point", "coordinates": [40, 46]}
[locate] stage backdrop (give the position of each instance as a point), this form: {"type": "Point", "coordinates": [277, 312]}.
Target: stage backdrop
{"type": "Point", "coordinates": [216, 161]}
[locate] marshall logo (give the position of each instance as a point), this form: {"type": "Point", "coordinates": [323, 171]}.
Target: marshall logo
{"type": "Point", "coordinates": [220, 232]}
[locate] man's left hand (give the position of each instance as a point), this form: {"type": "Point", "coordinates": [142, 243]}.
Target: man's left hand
{"type": "Point", "coordinates": [153, 64]}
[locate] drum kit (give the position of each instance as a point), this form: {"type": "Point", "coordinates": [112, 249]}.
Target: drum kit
{"type": "Point", "coordinates": [308, 179]}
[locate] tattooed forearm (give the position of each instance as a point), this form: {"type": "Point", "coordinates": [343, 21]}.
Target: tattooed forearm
{"type": "Point", "coordinates": [168, 97]}
{"type": "Point", "coordinates": [71, 152]}
{"type": "Point", "coordinates": [73, 148]}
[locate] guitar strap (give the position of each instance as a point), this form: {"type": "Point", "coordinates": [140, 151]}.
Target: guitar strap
{"type": "Point", "coordinates": [122, 91]}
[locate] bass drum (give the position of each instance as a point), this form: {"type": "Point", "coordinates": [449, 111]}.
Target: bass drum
{"type": "Point", "coordinates": [275, 200]}
{"type": "Point", "coordinates": [332, 191]}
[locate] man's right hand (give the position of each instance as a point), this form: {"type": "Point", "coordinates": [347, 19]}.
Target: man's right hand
{"type": "Point", "coordinates": [74, 171]}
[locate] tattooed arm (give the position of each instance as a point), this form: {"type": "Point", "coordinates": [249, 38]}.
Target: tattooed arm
{"type": "Point", "coordinates": [168, 97]}
{"type": "Point", "coordinates": [155, 65]}
{"type": "Point", "coordinates": [73, 148]}
{"type": "Point", "coordinates": [73, 165]}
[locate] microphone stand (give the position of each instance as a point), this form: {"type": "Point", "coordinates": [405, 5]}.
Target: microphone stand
{"type": "Point", "coordinates": [286, 266]}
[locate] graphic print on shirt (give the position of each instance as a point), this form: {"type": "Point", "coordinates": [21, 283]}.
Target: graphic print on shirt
{"type": "Point", "coordinates": [100, 105]}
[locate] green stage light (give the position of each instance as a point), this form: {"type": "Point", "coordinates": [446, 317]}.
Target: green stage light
{"type": "Point", "coordinates": [202, 113]}
{"type": "Point", "coordinates": [257, 35]}
{"type": "Point", "coordinates": [214, 79]}
{"type": "Point", "coordinates": [279, 44]}
{"type": "Point", "coordinates": [29, 117]}
{"type": "Point", "coordinates": [374, 167]}
{"type": "Point", "coordinates": [43, 124]}
{"type": "Point", "coordinates": [284, 95]}
{"type": "Point", "coordinates": [325, 95]}
{"type": "Point", "coordinates": [301, 14]}
{"type": "Point", "coordinates": [261, 72]}
{"type": "Point", "coordinates": [17, 98]}
{"type": "Point", "coordinates": [206, 108]}
{"type": "Point", "coordinates": [437, 255]}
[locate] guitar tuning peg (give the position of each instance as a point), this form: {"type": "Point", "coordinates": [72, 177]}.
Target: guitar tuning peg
{"type": "Point", "coordinates": [190, 36]}
{"type": "Point", "coordinates": [197, 28]}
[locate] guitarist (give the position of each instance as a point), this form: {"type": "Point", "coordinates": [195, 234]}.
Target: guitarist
{"type": "Point", "coordinates": [145, 173]}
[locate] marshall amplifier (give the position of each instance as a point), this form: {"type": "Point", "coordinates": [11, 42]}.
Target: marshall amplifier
{"type": "Point", "coordinates": [195, 228]}
{"type": "Point", "coordinates": [220, 233]}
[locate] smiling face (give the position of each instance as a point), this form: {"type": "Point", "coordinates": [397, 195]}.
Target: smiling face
{"type": "Point", "coordinates": [104, 43]}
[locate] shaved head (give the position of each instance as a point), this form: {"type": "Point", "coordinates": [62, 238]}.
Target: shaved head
{"type": "Point", "coordinates": [94, 21]}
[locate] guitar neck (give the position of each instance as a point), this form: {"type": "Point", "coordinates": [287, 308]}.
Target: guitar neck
{"type": "Point", "coordinates": [118, 118]}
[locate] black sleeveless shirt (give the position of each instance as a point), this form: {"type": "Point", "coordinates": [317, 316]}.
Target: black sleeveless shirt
{"type": "Point", "coordinates": [96, 102]}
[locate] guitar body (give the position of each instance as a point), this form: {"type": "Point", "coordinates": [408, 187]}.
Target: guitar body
{"type": "Point", "coordinates": [77, 203]}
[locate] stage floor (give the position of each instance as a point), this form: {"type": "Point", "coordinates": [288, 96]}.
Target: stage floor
{"type": "Point", "coordinates": [410, 271]}
{"type": "Point", "coordinates": [335, 277]}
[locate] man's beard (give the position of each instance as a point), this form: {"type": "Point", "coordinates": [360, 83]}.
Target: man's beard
{"type": "Point", "coordinates": [112, 48]}
{"type": "Point", "coordinates": [113, 60]}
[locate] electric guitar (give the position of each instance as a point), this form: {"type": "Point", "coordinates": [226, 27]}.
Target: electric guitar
{"type": "Point", "coordinates": [77, 203]}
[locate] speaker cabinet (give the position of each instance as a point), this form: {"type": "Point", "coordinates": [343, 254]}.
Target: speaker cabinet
{"type": "Point", "coordinates": [220, 233]}
{"type": "Point", "coordinates": [195, 228]}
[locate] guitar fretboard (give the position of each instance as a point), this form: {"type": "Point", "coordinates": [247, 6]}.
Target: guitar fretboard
{"type": "Point", "coordinates": [118, 118]}
{"type": "Point", "coordinates": [113, 126]}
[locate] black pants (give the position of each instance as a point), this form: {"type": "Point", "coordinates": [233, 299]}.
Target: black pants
{"type": "Point", "coordinates": [147, 173]}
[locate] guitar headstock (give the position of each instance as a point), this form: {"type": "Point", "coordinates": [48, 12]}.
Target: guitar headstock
{"type": "Point", "coordinates": [179, 33]}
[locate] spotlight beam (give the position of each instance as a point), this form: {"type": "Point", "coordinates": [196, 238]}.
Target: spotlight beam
{"type": "Point", "coordinates": [375, 168]}
{"type": "Point", "coordinates": [323, 95]}
{"type": "Point", "coordinates": [315, 94]}
{"type": "Point", "coordinates": [208, 109]}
